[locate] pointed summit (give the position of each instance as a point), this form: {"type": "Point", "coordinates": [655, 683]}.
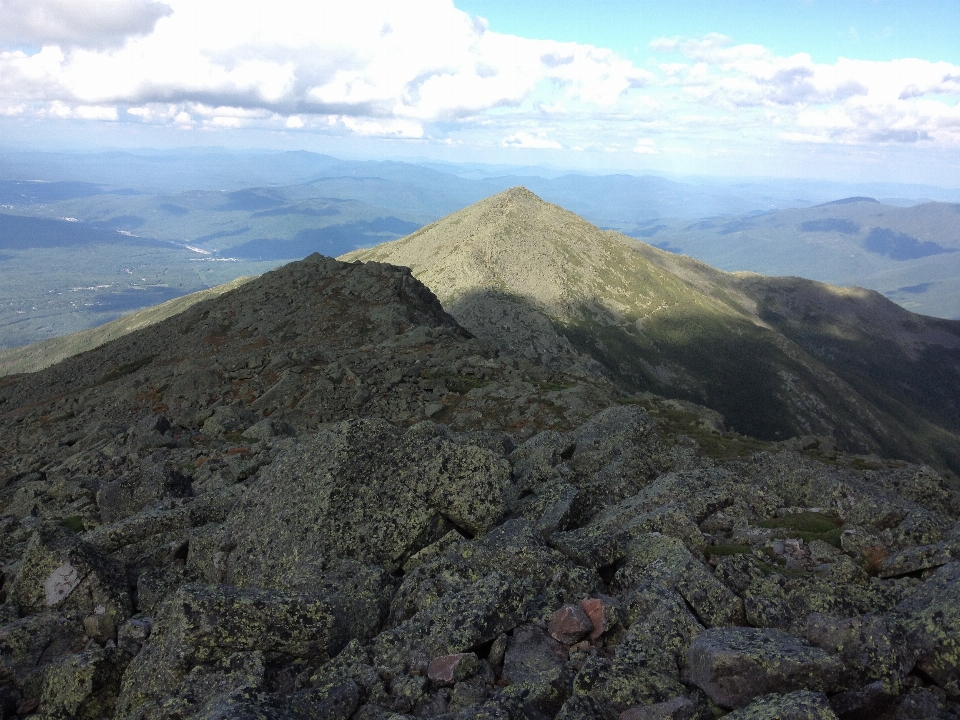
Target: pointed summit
{"type": "Point", "coordinates": [513, 243]}
{"type": "Point", "coordinates": [517, 270]}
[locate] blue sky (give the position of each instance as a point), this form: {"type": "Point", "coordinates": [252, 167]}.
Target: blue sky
{"type": "Point", "coordinates": [861, 90]}
{"type": "Point", "coordinates": [826, 29]}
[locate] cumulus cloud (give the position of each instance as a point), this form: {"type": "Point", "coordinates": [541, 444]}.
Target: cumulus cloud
{"type": "Point", "coordinates": [99, 25]}
{"type": "Point", "coordinates": [850, 101]}
{"type": "Point", "coordinates": [423, 70]}
{"type": "Point", "coordinates": [538, 140]}
{"type": "Point", "coordinates": [645, 146]}
{"type": "Point", "coordinates": [390, 65]}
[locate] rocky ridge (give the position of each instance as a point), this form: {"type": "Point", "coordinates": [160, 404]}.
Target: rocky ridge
{"type": "Point", "coordinates": [43, 354]}
{"type": "Point", "coordinates": [319, 496]}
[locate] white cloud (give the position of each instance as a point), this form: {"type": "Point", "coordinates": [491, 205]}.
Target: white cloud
{"type": "Point", "coordinates": [383, 61]}
{"type": "Point", "coordinates": [849, 102]}
{"type": "Point", "coordinates": [423, 70]}
{"type": "Point", "coordinates": [384, 128]}
{"type": "Point", "coordinates": [95, 112]}
{"type": "Point", "coordinates": [523, 139]}
{"type": "Point", "coordinates": [646, 146]}
{"type": "Point", "coordinates": [96, 24]}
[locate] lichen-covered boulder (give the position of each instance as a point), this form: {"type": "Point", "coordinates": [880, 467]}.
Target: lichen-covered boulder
{"type": "Point", "coordinates": [61, 572]}
{"type": "Point", "coordinates": [798, 705]}
{"type": "Point", "coordinates": [931, 617]}
{"type": "Point", "coordinates": [362, 491]}
{"type": "Point", "coordinates": [666, 560]}
{"type": "Point", "coordinates": [734, 665]}
{"type": "Point", "coordinates": [585, 707]}
{"type": "Point", "coordinates": [784, 601]}
{"type": "Point", "coordinates": [29, 643]}
{"type": "Point", "coordinates": [82, 686]}
{"type": "Point", "coordinates": [551, 507]}
{"type": "Point", "coordinates": [202, 625]}
{"type": "Point", "coordinates": [514, 549]}
{"type": "Point", "coordinates": [647, 663]}
{"type": "Point", "coordinates": [591, 546]}
{"type": "Point", "coordinates": [661, 629]}
{"type": "Point", "coordinates": [915, 559]}
{"type": "Point", "coordinates": [133, 491]}
{"type": "Point", "coordinates": [207, 691]}
{"type": "Point", "coordinates": [624, 682]}
{"type": "Point", "coordinates": [871, 648]}
{"type": "Point", "coordinates": [683, 707]}
{"type": "Point", "coordinates": [458, 622]}
{"type": "Point", "coordinates": [336, 702]}
{"type": "Point", "coordinates": [538, 663]}
{"type": "Point", "coordinates": [864, 701]}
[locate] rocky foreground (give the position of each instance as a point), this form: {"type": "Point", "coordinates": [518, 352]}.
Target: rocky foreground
{"type": "Point", "coordinates": [319, 497]}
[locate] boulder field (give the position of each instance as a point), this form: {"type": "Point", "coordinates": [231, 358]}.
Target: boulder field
{"type": "Point", "coordinates": [259, 517]}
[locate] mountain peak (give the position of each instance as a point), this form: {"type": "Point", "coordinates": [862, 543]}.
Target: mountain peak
{"type": "Point", "coordinates": [537, 281]}
{"type": "Point", "coordinates": [517, 193]}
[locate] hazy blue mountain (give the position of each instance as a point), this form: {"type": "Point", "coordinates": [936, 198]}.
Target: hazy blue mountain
{"type": "Point", "coordinates": [911, 254]}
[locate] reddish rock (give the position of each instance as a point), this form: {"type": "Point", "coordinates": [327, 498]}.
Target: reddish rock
{"type": "Point", "coordinates": [569, 624]}
{"type": "Point", "coordinates": [603, 612]}
{"type": "Point", "coordinates": [450, 669]}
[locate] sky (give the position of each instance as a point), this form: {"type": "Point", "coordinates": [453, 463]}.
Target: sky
{"type": "Point", "coordinates": [858, 90]}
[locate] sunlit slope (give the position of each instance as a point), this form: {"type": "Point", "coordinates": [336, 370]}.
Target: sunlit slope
{"type": "Point", "coordinates": [541, 281]}
{"type": "Point", "coordinates": [40, 355]}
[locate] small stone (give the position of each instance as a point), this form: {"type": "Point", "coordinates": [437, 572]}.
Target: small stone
{"type": "Point", "coordinates": [451, 669]}
{"type": "Point", "coordinates": [569, 624]}
{"type": "Point", "coordinates": [604, 614]}
{"type": "Point", "coordinates": [28, 706]}
{"type": "Point", "coordinates": [133, 634]}
{"type": "Point", "coordinates": [497, 650]}
{"type": "Point", "coordinates": [100, 627]}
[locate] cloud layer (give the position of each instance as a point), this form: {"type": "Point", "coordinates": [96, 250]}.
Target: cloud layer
{"type": "Point", "coordinates": [423, 70]}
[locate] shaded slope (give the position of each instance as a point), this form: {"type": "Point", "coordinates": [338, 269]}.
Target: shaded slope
{"type": "Point", "coordinates": [540, 281]}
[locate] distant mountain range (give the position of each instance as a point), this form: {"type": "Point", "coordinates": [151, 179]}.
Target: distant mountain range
{"type": "Point", "coordinates": [86, 238]}
{"type": "Point", "coordinates": [910, 254]}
